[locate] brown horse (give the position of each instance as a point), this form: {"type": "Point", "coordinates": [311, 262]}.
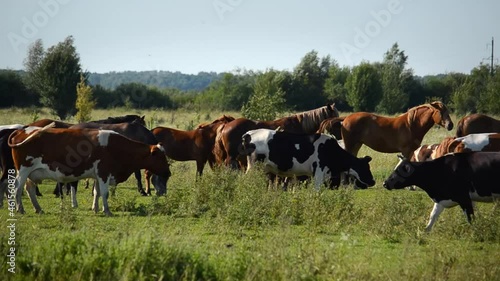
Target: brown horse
{"type": "Point", "coordinates": [195, 144]}
{"type": "Point", "coordinates": [228, 140]}
{"type": "Point", "coordinates": [403, 133]}
{"type": "Point", "coordinates": [331, 126]}
{"type": "Point", "coordinates": [476, 124]}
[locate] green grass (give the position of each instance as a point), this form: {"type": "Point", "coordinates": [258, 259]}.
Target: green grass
{"type": "Point", "coordinates": [230, 226]}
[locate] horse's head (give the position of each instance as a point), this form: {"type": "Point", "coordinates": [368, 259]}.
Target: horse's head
{"type": "Point", "coordinates": [441, 115]}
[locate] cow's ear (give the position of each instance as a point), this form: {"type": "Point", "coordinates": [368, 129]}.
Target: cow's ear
{"type": "Point", "coordinates": [143, 116]}
{"type": "Point", "coordinates": [401, 157]}
{"type": "Point", "coordinates": [368, 158]}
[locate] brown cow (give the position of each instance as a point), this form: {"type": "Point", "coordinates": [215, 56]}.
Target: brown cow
{"type": "Point", "coordinates": [67, 155]}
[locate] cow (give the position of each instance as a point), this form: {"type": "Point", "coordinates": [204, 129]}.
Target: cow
{"type": "Point", "coordinates": [468, 143]}
{"type": "Point", "coordinates": [318, 155]}
{"type": "Point", "coordinates": [450, 180]}
{"type": "Point", "coordinates": [68, 155]}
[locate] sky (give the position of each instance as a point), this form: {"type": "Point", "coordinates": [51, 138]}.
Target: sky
{"type": "Point", "coordinates": [190, 36]}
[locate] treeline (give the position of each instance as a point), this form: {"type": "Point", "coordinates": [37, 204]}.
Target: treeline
{"type": "Point", "coordinates": [159, 79]}
{"type": "Point", "coordinates": [388, 86]}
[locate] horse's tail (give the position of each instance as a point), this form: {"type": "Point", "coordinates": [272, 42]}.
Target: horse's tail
{"type": "Point", "coordinates": [460, 128]}
{"type": "Point", "coordinates": [14, 134]}
{"type": "Point", "coordinates": [218, 151]}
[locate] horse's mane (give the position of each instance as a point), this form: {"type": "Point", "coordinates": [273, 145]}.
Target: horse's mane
{"type": "Point", "coordinates": [311, 119]}
{"type": "Point", "coordinates": [224, 119]}
{"type": "Point", "coordinates": [412, 112]}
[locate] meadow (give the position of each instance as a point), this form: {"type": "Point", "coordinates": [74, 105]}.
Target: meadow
{"type": "Point", "coordinates": [228, 225]}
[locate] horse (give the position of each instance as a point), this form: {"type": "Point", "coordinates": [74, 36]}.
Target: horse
{"type": "Point", "coordinates": [331, 126]}
{"type": "Point", "coordinates": [228, 141]}
{"type": "Point", "coordinates": [477, 123]}
{"type": "Point", "coordinates": [196, 144]}
{"type": "Point", "coordinates": [110, 120]}
{"type": "Point", "coordinates": [403, 133]}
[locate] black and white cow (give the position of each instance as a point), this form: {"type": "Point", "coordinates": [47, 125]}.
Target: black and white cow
{"type": "Point", "coordinates": [450, 180]}
{"type": "Point", "coordinates": [317, 155]}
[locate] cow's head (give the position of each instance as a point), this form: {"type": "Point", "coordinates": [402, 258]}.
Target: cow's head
{"type": "Point", "coordinates": [160, 169]}
{"type": "Point", "coordinates": [398, 179]}
{"type": "Point", "coordinates": [361, 171]}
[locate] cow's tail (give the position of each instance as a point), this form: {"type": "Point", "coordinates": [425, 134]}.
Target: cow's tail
{"type": "Point", "coordinates": [14, 134]}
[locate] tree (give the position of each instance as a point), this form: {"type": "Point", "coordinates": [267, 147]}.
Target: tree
{"type": "Point", "coordinates": [472, 95]}
{"type": "Point", "coordinates": [54, 74]}
{"type": "Point", "coordinates": [33, 79]}
{"type": "Point", "coordinates": [13, 92]}
{"type": "Point", "coordinates": [268, 98]}
{"type": "Point", "coordinates": [335, 86]}
{"type": "Point", "coordinates": [395, 80]}
{"type": "Point", "coordinates": [228, 93]}
{"type": "Point", "coordinates": [308, 81]}
{"type": "Point", "coordinates": [84, 101]}
{"type": "Point", "coordinates": [364, 89]}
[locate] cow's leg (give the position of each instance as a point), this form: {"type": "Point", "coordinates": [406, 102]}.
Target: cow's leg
{"type": "Point", "coordinates": [21, 179]}
{"type": "Point", "coordinates": [38, 193]}
{"type": "Point", "coordinates": [96, 193]}
{"type": "Point", "coordinates": [31, 191]}
{"type": "Point", "coordinates": [319, 179]}
{"type": "Point", "coordinates": [468, 209]}
{"type": "Point", "coordinates": [58, 190]}
{"type": "Point", "coordinates": [74, 202]}
{"type": "Point", "coordinates": [103, 188]}
{"type": "Point", "coordinates": [137, 175]}
{"type": "Point", "coordinates": [436, 211]}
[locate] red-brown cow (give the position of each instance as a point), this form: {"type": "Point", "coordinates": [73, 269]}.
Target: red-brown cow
{"type": "Point", "coordinates": [67, 155]}
{"type": "Point", "coordinates": [469, 143]}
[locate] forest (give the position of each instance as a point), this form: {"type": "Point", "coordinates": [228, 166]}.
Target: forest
{"type": "Point", "coordinates": [388, 86]}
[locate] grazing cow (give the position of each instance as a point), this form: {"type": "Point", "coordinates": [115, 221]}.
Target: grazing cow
{"type": "Point", "coordinates": [454, 179]}
{"type": "Point", "coordinates": [318, 155]}
{"type": "Point", "coordinates": [468, 143]}
{"type": "Point", "coordinates": [67, 155]}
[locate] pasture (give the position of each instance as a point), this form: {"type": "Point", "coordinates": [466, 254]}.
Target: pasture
{"type": "Point", "coordinates": [229, 226]}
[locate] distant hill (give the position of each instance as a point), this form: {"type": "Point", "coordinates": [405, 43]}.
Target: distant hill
{"type": "Point", "coordinates": [160, 79]}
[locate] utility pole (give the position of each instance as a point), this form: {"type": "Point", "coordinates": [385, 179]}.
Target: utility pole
{"type": "Point", "coordinates": [492, 48]}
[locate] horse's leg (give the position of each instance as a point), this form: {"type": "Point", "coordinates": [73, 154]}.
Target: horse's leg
{"type": "Point", "coordinates": [139, 183]}
{"type": "Point", "coordinates": [200, 164]}
{"type": "Point", "coordinates": [147, 178]}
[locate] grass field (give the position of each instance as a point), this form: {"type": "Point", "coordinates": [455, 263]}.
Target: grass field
{"type": "Point", "coordinates": [229, 226]}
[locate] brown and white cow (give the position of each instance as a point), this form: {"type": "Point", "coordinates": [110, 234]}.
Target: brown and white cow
{"type": "Point", "coordinates": [67, 155]}
{"type": "Point", "coordinates": [468, 143]}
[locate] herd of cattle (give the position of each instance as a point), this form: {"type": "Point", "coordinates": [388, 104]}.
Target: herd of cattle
{"type": "Point", "coordinates": [457, 171]}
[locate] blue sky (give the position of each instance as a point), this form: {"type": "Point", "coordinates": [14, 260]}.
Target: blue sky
{"type": "Point", "coordinates": [223, 35]}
